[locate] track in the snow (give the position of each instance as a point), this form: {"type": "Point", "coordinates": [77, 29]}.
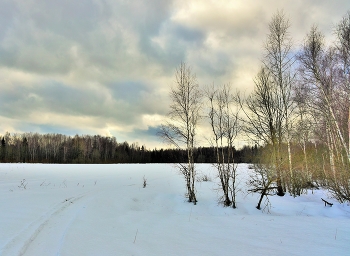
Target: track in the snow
{"type": "Point", "coordinates": [55, 222]}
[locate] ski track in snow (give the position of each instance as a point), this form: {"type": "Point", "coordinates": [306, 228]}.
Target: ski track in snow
{"type": "Point", "coordinates": [21, 242]}
{"type": "Point", "coordinates": [63, 236]}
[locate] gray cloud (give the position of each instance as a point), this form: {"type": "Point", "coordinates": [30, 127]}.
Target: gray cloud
{"type": "Point", "coordinates": [150, 134]}
{"type": "Point", "coordinates": [46, 128]}
{"type": "Point", "coordinates": [105, 66]}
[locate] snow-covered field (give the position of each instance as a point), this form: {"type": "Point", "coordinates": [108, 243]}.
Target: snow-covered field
{"type": "Point", "coordinates": [104, 210]}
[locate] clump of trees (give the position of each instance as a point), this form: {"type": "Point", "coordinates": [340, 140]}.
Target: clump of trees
{"type": "Point", "coordinates": [299, 111]}
{"type": "Point", "coordinates": [325, 76]}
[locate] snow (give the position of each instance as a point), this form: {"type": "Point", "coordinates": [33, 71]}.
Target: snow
{"type": "Point", "coordinates": [104, 210]}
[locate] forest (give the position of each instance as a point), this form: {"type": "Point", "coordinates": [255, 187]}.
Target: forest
{"type": "Point", "coordinates": [88, 149]}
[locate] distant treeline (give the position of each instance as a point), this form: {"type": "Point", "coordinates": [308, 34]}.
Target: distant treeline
{"type": "Point", "coordinates": [87, 149]}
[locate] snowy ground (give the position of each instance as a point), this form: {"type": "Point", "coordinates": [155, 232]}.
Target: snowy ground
{"type": "Point", "coordinates": [103, 210]}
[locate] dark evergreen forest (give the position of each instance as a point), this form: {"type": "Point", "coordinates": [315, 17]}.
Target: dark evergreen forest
{"type": "Point", "coordinates": [87, 149]}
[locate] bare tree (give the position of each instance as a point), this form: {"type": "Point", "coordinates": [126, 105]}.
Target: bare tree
{"type": "Point", "coordinates": [269, 109]}
{"type": "Point", "coordinates": [180, 130]}
{"type": "Point", "coordinates": [264, 119]}
{"type": "Point", "coordinates": [279, 61]}
{"type": "Point", "coordinates": [223, 118]}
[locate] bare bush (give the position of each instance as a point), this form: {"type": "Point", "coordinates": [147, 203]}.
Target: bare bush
{"type": "Point", "coordinates": [144, 182]}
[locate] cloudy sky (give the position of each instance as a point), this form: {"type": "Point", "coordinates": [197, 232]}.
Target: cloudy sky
{"type": "Point", "coordinates": [105, 66]}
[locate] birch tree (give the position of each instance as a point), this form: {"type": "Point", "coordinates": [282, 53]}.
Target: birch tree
{"type": "Point", "coordinates": [181, 129]}
{"type": "Point", "coordinates": [223, 117]}
{"type": "Point", "coordinates": [343, 44]}
{"type": "Point", "coordinates": [279, 61]}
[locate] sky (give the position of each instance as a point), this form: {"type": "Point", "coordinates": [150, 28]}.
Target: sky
{"type": "Point", "coordinates": [106, 66]}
